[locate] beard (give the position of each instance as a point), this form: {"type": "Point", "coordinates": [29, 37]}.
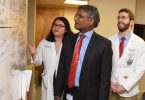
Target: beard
{"type": "Point", "coordinates": [122, 26]}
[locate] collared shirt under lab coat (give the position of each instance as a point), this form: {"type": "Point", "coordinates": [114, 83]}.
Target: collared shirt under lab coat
{"type": "Point", "coordinates": [46, 53]}
{"type": "Point", "coordinates": [128, 69]}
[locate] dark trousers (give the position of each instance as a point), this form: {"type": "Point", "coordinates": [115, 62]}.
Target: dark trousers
{"type": "Point", "coordinates": [143, 96]}
{"type": "Point", "coordinates": [74, 91]}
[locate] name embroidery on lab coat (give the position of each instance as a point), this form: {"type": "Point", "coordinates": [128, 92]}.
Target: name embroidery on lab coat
{"type": "Point", "coordinates": [47, 46]}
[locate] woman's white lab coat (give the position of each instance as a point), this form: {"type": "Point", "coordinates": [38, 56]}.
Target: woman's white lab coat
{"type": "Point", "coordinates": [46, 53]}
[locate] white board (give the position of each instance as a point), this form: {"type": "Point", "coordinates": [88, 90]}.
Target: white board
{"type": "Point", "coordinates": [13, 33]}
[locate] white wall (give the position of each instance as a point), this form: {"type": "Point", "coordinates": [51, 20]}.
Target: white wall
{"type": "Point", "coordinates": [140, 13]}
{"type": "Point", "coordinates": [69, 13]}
{"type": "Point", "coordinates": [108, 12]}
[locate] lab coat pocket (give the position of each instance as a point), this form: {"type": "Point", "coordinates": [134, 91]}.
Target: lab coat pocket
{"type": "Point", "coordinates": [45, 80]}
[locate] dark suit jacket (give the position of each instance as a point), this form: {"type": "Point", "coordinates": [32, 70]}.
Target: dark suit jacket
{"type": "Point", "coordinates": [96, 68]}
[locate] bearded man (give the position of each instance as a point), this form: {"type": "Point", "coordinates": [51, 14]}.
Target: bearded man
{"type": "Point", "coordinates": [128, 58]}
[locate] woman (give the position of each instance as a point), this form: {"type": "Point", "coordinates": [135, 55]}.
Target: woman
{"type": "Point", "coordinates": [48, 52]}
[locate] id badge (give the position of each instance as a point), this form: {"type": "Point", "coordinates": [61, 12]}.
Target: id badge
{"type": "Point", "coordinates": [69, 97]}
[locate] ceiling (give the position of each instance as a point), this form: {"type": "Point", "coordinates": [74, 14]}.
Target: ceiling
{"type": "Point", "coordinates": [50, 2]}
{"type": "Point", "coordinates": [53, 3]}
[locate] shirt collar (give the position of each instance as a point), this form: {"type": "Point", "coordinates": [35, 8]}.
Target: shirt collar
{"type": "Point", "coordinates": [127, 37]}
{"type": "Point", "coordinates": [88, 34]}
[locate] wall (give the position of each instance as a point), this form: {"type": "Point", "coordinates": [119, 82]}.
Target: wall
{"type": "Point", "coordinates": [108, 12]}
{"type": "Point", "coordinates": [140, 19]}
{"type": "Point", "coordinates": [44, 19]}
{"type": "Point", "coordinates": [69, 13]}
{"type": "Point", "coordinates": [140, 15]}
{"type": "Point", "coordinates": [31, 24]}
{"type": "Point", "coordinates": [47, 15]}
{"type": "Point", "coordinates": [30, 39]}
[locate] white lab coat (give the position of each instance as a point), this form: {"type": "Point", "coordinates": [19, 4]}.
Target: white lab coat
{"type": "Point", "coordinates": [46, 53]}
{"type": "Point", "coordinates": [128, 69]}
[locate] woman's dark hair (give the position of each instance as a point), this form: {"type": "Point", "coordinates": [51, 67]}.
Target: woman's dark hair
{"type": "Point", "coordinates": [68, 32]}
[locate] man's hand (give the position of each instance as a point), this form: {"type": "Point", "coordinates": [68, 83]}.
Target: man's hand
{"type": "Point", "coordinates": [57, 98]}
{"type": "Point", "coordinates": [120, 89]}
{"type": "Point", "coordinates": [114, 87]}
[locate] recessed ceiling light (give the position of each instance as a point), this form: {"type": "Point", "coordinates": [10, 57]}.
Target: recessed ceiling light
{"type": "Point", "coordinates": [76, 2]}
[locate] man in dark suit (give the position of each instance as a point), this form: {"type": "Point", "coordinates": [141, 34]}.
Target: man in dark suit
{"type": "Point", "coordinates": [85, 62]}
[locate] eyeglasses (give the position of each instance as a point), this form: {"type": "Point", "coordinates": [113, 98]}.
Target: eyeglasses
{"type": "Point", "coordinates": [58, 25]}
{"type": "Point", "coordinates": [122, 17]}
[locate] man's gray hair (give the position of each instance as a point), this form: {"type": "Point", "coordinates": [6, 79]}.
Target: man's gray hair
{"type": "Point", "coordinates": [93, 13]}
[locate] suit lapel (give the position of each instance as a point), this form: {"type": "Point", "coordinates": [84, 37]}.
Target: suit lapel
{"type": "Point", "coordinates": [71, 47]}
{"type": "Point", "coordinates": [88, 51]}
{"type": "Point", "coordinates": [73, 42]}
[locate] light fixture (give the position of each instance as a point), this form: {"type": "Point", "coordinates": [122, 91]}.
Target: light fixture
{"type": "Point", "coordinates": [76, 2]}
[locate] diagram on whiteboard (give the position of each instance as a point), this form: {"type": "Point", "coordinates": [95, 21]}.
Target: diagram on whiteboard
{"type": "Point", "coordinates": [13, 33]}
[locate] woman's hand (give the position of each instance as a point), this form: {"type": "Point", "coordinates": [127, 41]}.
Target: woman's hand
{"type": "Point", "coordinates": [32, 50]}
